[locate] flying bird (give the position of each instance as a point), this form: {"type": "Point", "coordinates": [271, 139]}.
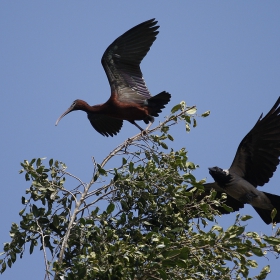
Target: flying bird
{"type": "Point", "coordinates": [130, 98]}
{"type": "Point", "coordinates": [256, 160]}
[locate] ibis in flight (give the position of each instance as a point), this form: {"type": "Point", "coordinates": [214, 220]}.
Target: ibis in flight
{"type": "Point", "coordinates": [130, 98]}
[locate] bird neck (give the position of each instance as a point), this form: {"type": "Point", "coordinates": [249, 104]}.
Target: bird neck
{"type": "Point", "coordinates": [84, 106]}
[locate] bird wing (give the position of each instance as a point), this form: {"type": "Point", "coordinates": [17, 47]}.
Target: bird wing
{"type": "Point", "coordinates": [258, 153]}
{"type": "Point", "coordinates": [121, 62]}
{"type": "Point", "coordinates": [105, 125]}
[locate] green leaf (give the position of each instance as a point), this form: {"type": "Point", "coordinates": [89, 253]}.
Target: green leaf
{"type": "Point", "coordinates": [181, 263]}
{"type": "Point", "coordinates": [184, 253]}
{"type": "Point", "coordinates": [110, 208]}
{"type": "Point", "coordinates": [55, 221]}
{"type": "Point", "coordinates": [171, 253]}
{"type": "Point", "coordinates": [35, 210]}
{"type": "Point", "coordinates": [95, 211]}
{"type": "Point", "coordinates": [170, 137]}
{"type": "Point", "coordinates": [164, 146]}
{"type": "Point", "coordinates": [227, 208]}
{"type": "Point", "coordinates": [252, 263]}
{"type": "Point", "coordinates": [38, 162]}
{"type": "Point", "coordinates": [101, 170]}
{"type": "Point", "coordinates": [162, 274]}
{"type": "Point", "coordinates": [31, 247]}
{"type": "Point", "coordinates": [246, 217]}
{"type": "Point", "coordinates": [168, 263]}
{"type": "Point", "coordinates": [176, 108]}
{"type": "Point", "coordinates": [217, 228]}
{"type": "Point", "coordinates": [272, 240]}
{"type": "Point", "coordinates": [4, 266]}
{"type": "Point", "coordinates": [155, 158]}
{"type": "Point", "coordinates": [206, 114]}
{"type": "Point", "coordinates": [273, 213]}
{"type": "Point", "coordinates": [190, 165]}
{"type": "Point", "coordinates": [194, 123]}
{"type": "Point", "coordinates": [187, 119]}
{"type": "Point", "coordinates": [257, 251]}
{"type": "Point", "coordinates": [131, 167]}
{"type": "Point", "coordinates": [265, 271]}
{"type": "Point", "coordinates": [22, 200]}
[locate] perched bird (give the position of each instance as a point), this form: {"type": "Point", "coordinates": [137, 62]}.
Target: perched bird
{"type": "Point", "coordinates": [130, 98]}
{"type": "Point", "coordinates": [255, 161]}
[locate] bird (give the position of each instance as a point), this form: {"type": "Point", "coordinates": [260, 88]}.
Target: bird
{"type": "Point", "coordinates": [130, 98]}
{"type": "Point", "coordinates": [255, 161]}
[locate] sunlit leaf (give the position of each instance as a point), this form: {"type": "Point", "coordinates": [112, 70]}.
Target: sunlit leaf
{"type": "Point", "coordinates": [206, 114]}
{"type": "Point", "coordinates": [191, 111]}
{"type": "Point", "coordinates": [246, 217]}
{"type": "Point", "coordinates": [272, 240]}
{"type": "Point", "coordinates": [273, 213]}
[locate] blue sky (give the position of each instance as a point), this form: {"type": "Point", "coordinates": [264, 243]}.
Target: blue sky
{"type": "Point", "coordinates": [222, 56]}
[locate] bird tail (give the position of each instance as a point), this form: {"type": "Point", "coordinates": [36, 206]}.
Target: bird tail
{"type": "Point", "coordinates": [265, 214]}
{"type": "Point", "coordinates": [158, 102]}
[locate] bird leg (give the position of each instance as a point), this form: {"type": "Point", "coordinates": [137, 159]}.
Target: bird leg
{"type": "Point", "coordinates": [149, 120]}
{"type": "Point", "coordinates": [133, 122]}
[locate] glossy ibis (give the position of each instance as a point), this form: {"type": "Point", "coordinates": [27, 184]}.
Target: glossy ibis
{"type": "Point", "coordinates": [130, 98]}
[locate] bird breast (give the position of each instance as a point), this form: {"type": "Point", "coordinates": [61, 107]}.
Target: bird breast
{"type": "Point", "coordinates": [125, 111]}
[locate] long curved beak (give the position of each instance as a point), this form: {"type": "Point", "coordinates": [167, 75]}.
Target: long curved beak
{"type": "Point", "coordinates": [64, 114]}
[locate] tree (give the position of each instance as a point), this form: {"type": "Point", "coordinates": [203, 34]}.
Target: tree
{"type": "Point", "coordinates": [154, 225]}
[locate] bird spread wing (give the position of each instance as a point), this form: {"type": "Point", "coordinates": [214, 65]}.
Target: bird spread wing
{"type": "Point", "coordinates": [258, 153]}
{"type": "Point", "coordinates": [121, 62]}
{"type": "Point", "coordinates": [105, 125]}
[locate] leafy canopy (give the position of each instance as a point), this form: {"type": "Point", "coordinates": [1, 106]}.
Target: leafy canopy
{"type": "Point", "coordinates": [142, 219]}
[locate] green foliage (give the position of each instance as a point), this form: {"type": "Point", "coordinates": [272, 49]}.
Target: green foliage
{"type": "Point", "coordinates": [144, 219]}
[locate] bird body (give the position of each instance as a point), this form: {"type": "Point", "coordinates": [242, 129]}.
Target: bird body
{"type": "Point", "coordinates": [130, 98]}
{"type": "Point", "coordinates": [240, 189]}
{"type": "Point", "coordinates": [256, 160]}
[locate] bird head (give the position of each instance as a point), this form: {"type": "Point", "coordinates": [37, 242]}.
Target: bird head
{"type": "Point", "coordinates": [219, 175]}
{"type": "Point", "coordinates": [76, 105]}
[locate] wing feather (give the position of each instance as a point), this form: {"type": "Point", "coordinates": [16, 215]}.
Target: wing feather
{"type": "Point", "coordinates": [105, 125]}
{"type": "Point", "coordinates": [121, 62]}
{"type": "Point", "coordinates": [258, 153]}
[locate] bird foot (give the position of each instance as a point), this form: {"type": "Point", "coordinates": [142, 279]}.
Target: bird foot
{"type": "Point", "coordinates": [144, 133]}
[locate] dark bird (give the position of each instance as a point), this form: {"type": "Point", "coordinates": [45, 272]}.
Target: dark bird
{"type": "Point", "coordinates": [255, 161]}
{"type": "Point", "coordinates": [130, 98]}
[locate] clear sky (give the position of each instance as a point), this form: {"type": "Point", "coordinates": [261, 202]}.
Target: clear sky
{"type": "Point", "coordinates": [223, 56]}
